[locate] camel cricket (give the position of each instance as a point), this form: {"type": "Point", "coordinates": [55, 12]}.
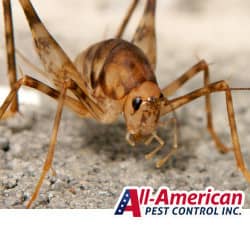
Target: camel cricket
{"type": "Point", "coordinates": [110, 78]}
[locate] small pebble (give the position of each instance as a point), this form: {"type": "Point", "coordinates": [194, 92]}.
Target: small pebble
{"type": "Point", "coordinates": [4, 144]}
{"type": "Point", "coordinates": [58, 185]}
{"type": "Point", "coordinates": [21, 122]}
{"type": "Point", "coordinates": [10, 183]}
{"type": "Point", "coordinates": [2, 159]}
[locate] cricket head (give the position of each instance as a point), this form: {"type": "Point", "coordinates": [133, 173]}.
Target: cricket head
{"type": "Point", "coordinates": [142, 110]}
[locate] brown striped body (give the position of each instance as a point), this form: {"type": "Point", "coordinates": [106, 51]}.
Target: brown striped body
{"type": "Point", "coordinates": [111, 70]}
{"type": "Point", "coordinates": [110, 78]}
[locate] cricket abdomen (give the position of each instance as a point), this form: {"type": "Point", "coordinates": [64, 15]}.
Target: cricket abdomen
{"type": "Point", "coordinates": [125, 68]}
{"type": "Point", "coordinates": [115, 65]}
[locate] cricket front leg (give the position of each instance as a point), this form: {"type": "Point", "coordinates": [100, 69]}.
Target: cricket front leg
{"type": "Point", "coordinates": [28, 81]}
{"type": "Point", "coordinates": [174, 143]}
{"type": "Point", "coordinates": [220, 86]}
{"type": "Point", "coordinates": [174, 147]}
{"type": "Point", "coordinates": [201, 66]}
{"type": "Point", "coordinates": [10, 52]}
{"type": "Point", "coordinates": [157, 149]}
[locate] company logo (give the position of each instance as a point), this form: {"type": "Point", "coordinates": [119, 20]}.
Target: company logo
{"type": "Point", "coordinates": [142, 201]}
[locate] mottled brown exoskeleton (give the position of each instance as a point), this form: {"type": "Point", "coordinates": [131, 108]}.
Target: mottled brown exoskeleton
{"type": "Point", "coordinates": [110, 78]}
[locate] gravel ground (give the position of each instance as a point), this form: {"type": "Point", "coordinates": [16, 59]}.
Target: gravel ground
{"type": "Point", "coordinates": [93, 162]}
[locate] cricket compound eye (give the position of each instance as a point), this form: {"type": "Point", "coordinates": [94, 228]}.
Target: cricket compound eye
{"type": "Point", "coordinates": [136, 103]}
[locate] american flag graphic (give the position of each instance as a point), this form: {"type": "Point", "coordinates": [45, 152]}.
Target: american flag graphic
{"type": "Point", "coordinates": [123, 203]}
{"type": "Point", "coordinates": [129, 195]}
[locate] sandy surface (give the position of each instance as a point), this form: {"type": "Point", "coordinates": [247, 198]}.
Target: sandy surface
{"type": "Point", "coordinates": [93, 162]}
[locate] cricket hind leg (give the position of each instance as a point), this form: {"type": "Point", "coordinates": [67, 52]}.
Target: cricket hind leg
{"type": "Point", "coordinates": [221, 86]}
{"type": "Point", "coordinates": [201, 66]}
{"type": "Point", "coordinates": [145, 35]}
{"type": "Point", "coordinates": [10, 52]}
{"type": "Point", "coordinates": [126, 19]}
{"type": "Point", "coordinates": [56, 62]}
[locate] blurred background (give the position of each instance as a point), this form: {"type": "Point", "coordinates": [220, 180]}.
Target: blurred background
{"type": "Point", "coordinates": [187, 31]}
{"type": "Point", "coordinates": [208, 29]}
{"type": "Point", "coordinates": [218, 31]}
